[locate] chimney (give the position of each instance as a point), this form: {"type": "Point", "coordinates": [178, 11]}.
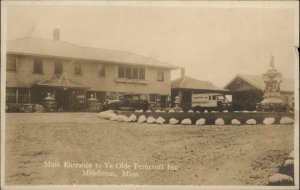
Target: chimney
{"type": "Point", "coordinates": [182, 70]}
{"type": "Point", "coordinates": [56, 34]}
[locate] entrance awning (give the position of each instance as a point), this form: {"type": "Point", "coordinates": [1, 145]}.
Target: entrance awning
{"type": "Point", "coordinates": [62, 82]}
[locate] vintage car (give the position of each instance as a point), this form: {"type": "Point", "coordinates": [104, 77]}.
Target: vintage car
{"type": "Point", "coordinates": [127, 102]}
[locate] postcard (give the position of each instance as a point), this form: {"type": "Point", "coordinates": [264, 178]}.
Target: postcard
{"type": "Point", "coordinates": [149, 95]}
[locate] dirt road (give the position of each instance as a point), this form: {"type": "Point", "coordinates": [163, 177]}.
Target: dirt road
{"type": "Point", "coordinates": [139, 153]}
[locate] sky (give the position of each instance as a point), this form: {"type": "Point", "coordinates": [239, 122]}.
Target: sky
{"type": "Point", "coordinates": [212, 43]}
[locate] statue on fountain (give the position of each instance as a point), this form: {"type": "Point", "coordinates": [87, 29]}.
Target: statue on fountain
{"type": "Point", "coordinates": [272, 101]}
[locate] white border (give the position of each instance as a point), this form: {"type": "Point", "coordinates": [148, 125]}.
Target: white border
{"type": "Point", "coordinates": [208, 4]}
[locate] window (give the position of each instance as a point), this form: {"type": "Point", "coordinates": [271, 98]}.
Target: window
{"type": "Point", "coordinates": [102, 70]}
{"type": "Point", "coordinates": [142, 74]}
{"type": "Point", "coordinates": [131, 73]}
{"type": "Point", "coordinates": [135, 73]}
{"type": "Point", "coordinates": [128, 73]}
{"type": "Point", "coordinates": [121, 72]}
{"type": "Point", "coordinates": [11, 63]}
{"type": "Point", "coordinates": [23, 95]}
{"type": "Point", "coordinates": [38, 66]}
{"type": "Point", "coordinates": [77, 69]}
{"type": "Point", "coordinates": [58, 68]}
{"type": "Point", "coordinates": [160, 76]}
{"type": "Point", "coordinates": [11, 95]}
{"type": "Point", "coordinates": [152, 98]}
{"type": "Point", "coordinates": [214, 97]}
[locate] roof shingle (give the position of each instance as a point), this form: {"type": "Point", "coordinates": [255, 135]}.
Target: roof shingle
{"type": "Point", "coordinates": [58, 48]}
{"type": "Point", "coordinates": [191, 83]}
{"type": "Point", "coordinates": [258, 82]}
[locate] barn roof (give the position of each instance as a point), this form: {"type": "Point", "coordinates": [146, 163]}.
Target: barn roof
{"type": "Point", "coordinates": [258, 82]}
{"type": "Point", "coordinates": [63, 49]}
{"type": "Point", "coordinates": [192, 83]}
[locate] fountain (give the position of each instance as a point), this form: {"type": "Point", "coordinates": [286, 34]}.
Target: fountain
{"type": "Point", "coordinates": [272, 101]}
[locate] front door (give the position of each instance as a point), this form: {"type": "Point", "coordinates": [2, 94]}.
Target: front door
{"type": "Point", "coordinates": [63, 99]}
{"type": "Point", "coordinates": [163, 101]}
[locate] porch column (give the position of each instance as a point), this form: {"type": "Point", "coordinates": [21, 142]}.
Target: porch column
{"type": "Point", "coordinates": [17, 95]}
{"type": "Point", "coordinates": [29, 95]}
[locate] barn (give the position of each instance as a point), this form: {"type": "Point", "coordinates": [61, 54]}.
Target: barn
{"type": "Point", "coordinates": [248, 90]}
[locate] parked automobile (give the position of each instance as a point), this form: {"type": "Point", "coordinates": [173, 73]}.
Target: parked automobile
{"type": "Point", "coordinates": [126, 103]}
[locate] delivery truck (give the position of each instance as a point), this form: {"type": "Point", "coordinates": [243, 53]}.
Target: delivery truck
{"type": "Point", "coordinates": [211, 102]}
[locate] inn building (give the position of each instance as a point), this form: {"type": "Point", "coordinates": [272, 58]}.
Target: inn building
{"type": "Point", "coordinates": [71, 74]}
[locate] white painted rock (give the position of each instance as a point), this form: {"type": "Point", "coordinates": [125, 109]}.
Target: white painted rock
{"type": "Point", "coordinates": [132, 117]}
{"type": "Point", "coordinates": [198, 112]}
{"type": "Point", "coordinates": [148, 111]}
{"type": "Point", "coordinates": [186, 122]}
{"type": "Point", "coordinates": [200, 121]}
{"type": "Point", "coordinates": [160, 120]}
{"type": "Point", "coordinates": [190, 111]}
{"type": "Point", "coordinates": [171, 111]}
{"type": "Point", "coordinates": [278, 178]}
{"type": "Point", "coordinates": [157, 111]}
{"type": "Point", "coordinates": [225, 111]}
{"type": "Point", "coordinates": [289, 163]}
{"type": "Point", "coordinates": [235, 122]}
{"type": "Point", "coordinates": [251, 122]}
{"type": "Point", "coordinates": [213, 111]}
{"type": "Point", "coordinates": [286, 120]}
{"type": "Point", "coordinates": [114, 117]}
{"type": "Point", "coordinates": [173, 121]}
{"type": "Point", "coordinates": [291, 155]}
{"type": "Point", "coordinates": [151, 120]}
{"type": "Point", "coordinates": [106, 114]}
{"type": "Point", "coordinates": [219, 121]}
{"type": "Point", "coordinates": [180, 111]}
{"type": "Point", "coordinates": [142, 119]}
{"type": "Point", "coordinates": [126, 119]}
{"type": "Point", "coordinates": [122, 118]}
{"type": "Point", "coordinates": [205, 111]}
{"type": "Point", "coordinates": [139, 111]}
{"type": "Point", "coordinates": [269, 121]}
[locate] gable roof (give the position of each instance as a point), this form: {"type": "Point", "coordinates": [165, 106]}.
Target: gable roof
{"type": "Point", "coordinates": [62, 82]}
{"type": "Point", "coordinates": [257, 81]}
{"type": "Point", "coordinates": [63, 49]}
{"type": "Point", "coordinates": [191, 83]}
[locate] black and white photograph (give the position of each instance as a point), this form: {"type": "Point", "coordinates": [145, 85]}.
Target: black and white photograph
{"type": "Point", "coordinates": [149, 95]}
